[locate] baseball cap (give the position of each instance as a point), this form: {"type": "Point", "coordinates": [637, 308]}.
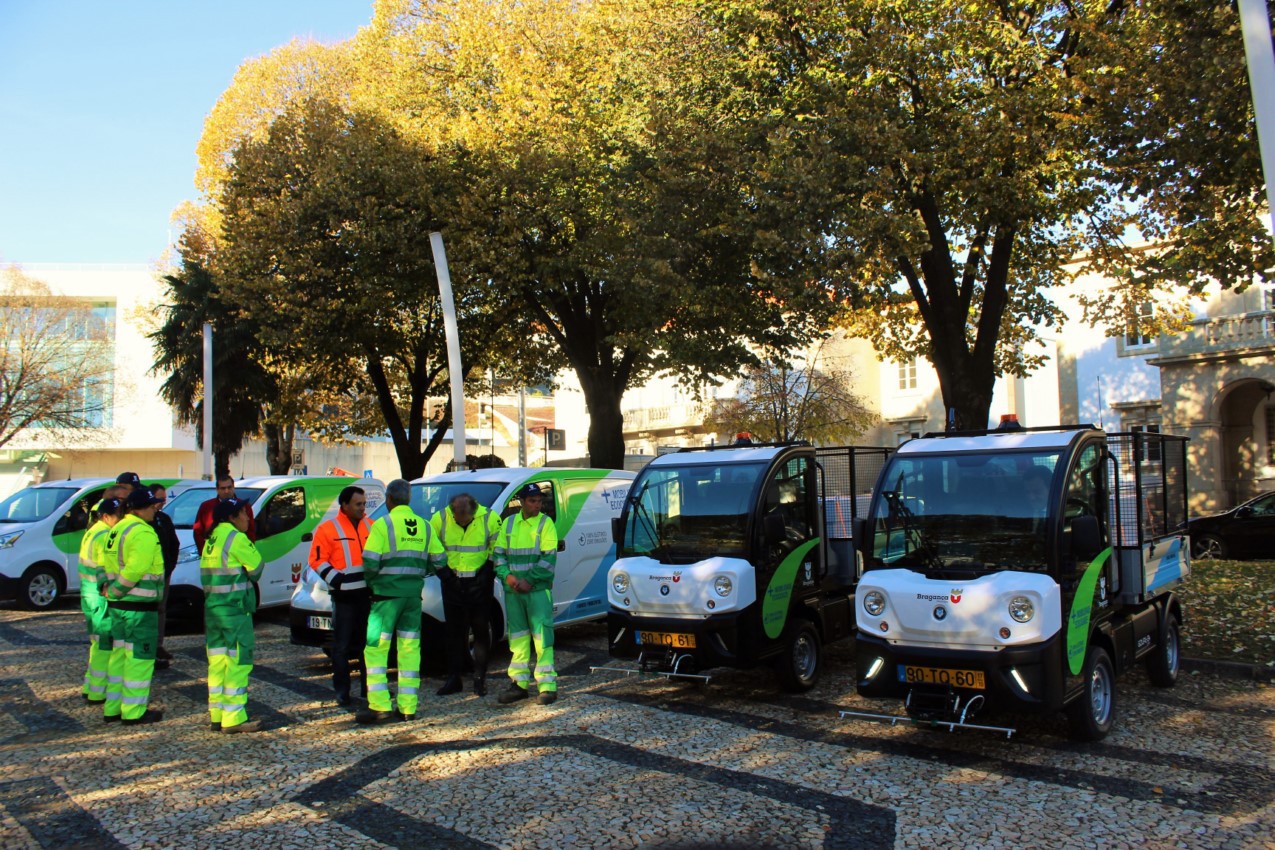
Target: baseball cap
{"type": "Point", "coordinates": [140, 499]}
{"type": "Point", "coordinates": [109, 507]}
{"type": "Point", "coordinates": [129, 478]}
{"type": "Point", "coordinates": [529, 490]}
{"type": "Point", "coordinates": [225, 510]}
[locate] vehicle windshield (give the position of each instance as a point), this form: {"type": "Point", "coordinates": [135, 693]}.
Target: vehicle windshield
{"type": "Point", "coordinates": [684, 514]}
{"type": "Point", "coordinates": [34, 503]}
{"type": "Point", "coordinates": [969, 512]}
{"type": "Point", "coordinates": [428, 499]}
{"type": "Point", "coordinates": [184, 507]}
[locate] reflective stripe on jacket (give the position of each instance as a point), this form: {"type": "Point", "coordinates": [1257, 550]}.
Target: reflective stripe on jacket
{"type": "Point", "coordinates": [338, 550]}
{"type": "Point", "coordinates": [528, 548]}
{"type": "Point", "coordinates": [467, 548]}
{"type": "Point", "coordinates": [228, 566]}
{"type": "Point", "coordinates": [133, 562]}
{"type": "Point", "coordinates": [401, 550]}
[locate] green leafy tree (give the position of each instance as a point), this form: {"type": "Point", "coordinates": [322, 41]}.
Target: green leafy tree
{"type": "Point", "coordinates": [241, 385]}
{"type": "Point", "coordinates": [975, 150]}
{"type": "Point", "coordinates": [325, 242]}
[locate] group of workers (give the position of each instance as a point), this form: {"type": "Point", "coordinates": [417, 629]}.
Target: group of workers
{"type": "Point", "coordinates": [375, 572]}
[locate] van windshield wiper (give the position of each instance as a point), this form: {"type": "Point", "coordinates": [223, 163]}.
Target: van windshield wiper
{"type": "Point", "coordinates": [644, 514]}
{"type": "Point", "coordinates": [921, 545]}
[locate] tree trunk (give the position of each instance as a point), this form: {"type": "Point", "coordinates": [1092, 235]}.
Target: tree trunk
{"type": "Point", "coordinates": [221, 464]}
{"type": "Point", "coordinates": [606, 429]}
{"type": "Point", "coordinates": [278, 448]}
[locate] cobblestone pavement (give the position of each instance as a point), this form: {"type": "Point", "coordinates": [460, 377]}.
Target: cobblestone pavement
{"type": "Point", "coordinates": [614, 763]}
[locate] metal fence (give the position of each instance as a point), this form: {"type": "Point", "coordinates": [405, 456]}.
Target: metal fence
{"type": "Point", "coordinates": [849, 474]}
{"type": "Point", "coordinates": [1148, 486]}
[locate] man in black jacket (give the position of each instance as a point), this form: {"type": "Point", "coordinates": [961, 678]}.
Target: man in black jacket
{"type": "Point", "coordinates": [169, 546]}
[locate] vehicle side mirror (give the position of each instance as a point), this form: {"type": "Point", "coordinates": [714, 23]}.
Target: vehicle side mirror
{"type": "Point", "coordinates": [1086, 537]}
{"type": "Point", "coordinates": [773, 527]}
{"type": "Point", "coordinates": [1246, 511]}
{"type": "Point", "coordinates": [307, 537]}
{"type": "Point", "coordinates": [562, 545]}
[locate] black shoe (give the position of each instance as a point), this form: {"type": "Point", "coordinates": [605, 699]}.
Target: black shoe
{"type": "Point", "coordinates": [214, 726]}
{"type": "Point", "coordinates": [480, 685]}
{"type": "Point", "coordinates": [151, 715]}
{"type": "Point", "coordinates": [370, 716]}
{"type": "Point", "coordinates": [343, 699]}
{"type": "Point", "coordinates": [514, 693]}
{"type": "Point", "coordinates": [547, 697]}
{"type": "Point", "coordinates": [162, 663]}
{"type": "Point", "coordinates": [90, 700]}
{"type": "Point", "coordinates": [163, 654]}
{"type": "Point", "coordinates": [407, 718]}
{"type": "Point", "coordinates": [243, 728]}
{"type": "Point", "coordinates": [111, 718]}
{"type": "Point", "coordinates": [451, 686]}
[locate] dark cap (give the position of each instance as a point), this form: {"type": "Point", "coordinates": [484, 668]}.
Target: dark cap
{"type": "Point", "coordinates": [109, 507]}
{"type": "Point", "coordinates": [129, 478]}
{"type": "Point", "coordinates": [139, 499]}
{"type": "Point", "coordinates": [529, 490]}
{"type": "Point", "coordinates": [225, 510]}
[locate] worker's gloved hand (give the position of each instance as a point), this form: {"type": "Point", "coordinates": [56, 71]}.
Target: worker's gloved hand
{"type": "Point", "coordinates": [524, 586]}
{"type": "Point", "coordinates": [447, 576]}
{"type": "Point", "coordinates": [336, 581]}
{"type": "Point", "coordinates": [511, 582]}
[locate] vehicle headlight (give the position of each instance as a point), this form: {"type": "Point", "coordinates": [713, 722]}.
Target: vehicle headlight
{"type": "Point", "coordinates": [1021, 609]}
{"type": "Point", "coordinates": [7, 540]}
{"type": "Point", "coordinates": [723, 585]}
{"type": "Point", "coordinates": [874, 602]}
{"type": "Point", "coordinates": [187, 554]}
{"type": "Point", "coordinates": [620, 582]}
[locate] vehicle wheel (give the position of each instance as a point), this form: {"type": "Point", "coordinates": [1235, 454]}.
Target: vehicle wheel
{"type": "Point", "coordinates": [1207, 546]}
{"type": "Point", "coordinates": [1165, 661]}
{"type": "Point", "coordinates": [1093, 714]}
{"type": "Point", "coordinates": [42, 587]}
{"type": "Point", "coordinates": [798, 664]}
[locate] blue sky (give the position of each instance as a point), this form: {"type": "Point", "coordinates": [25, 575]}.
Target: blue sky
{"type": "Point", "coordinates": [102, 103]}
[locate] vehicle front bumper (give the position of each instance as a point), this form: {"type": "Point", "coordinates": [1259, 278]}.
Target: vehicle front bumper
{"type": "Point", "coordinates": [1026, 679]}
{"type": "Point", "coordinates": [720, 640]}
{"type": "Point", "coordinates": [304, 633]}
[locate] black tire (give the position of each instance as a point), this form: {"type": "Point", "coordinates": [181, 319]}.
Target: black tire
{"type": "Point", "coordinates": [801, 660]}
{"type": "Point", "coordinates": [1208, 546]}
{"type": "Point", "coordinates": [1165, 661]}
{"type": "Point", "coordinates": [42, 588]}
{"type": "Point", "coordinates": [1093, 714]}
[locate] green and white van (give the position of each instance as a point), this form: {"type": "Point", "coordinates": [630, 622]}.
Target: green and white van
{"type": "Point", "coordinates": [581, 502]}
{"type": "Point", "coordinates": [41, 528]}
{"type": "Point", "coordinates": [286, 509]}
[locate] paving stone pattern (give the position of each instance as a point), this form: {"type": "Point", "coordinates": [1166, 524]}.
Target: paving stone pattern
{"type": "Point", "coordinates": [615, 763]}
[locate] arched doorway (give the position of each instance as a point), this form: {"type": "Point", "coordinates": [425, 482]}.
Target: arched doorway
{"type": "Point", "coordinates": [1246, 431]}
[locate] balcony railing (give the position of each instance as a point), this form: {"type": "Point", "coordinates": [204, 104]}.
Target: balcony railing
{"type": "Point", "coordinates": [1222, 335]}
{"type": "Point", "coordinates": [675, 416]}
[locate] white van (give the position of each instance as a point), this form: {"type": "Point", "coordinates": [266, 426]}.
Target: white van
{"type": "Point", "coordinates": [41, 528]}
{"type": "Point", "coordinates": [581, 502]}
{"type": "Point", "coordinates": [286, 509]}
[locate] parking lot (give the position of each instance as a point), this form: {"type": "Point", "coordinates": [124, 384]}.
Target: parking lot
{"type": "Point", "coordinates": [616, 762]}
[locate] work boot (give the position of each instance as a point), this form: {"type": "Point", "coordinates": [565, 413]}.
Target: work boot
{"type": "Point", "coordinates": [163, 663]}
{"type": "Point", "coordinates": [371, 716]}
{"type": "Point", "coordinates": [407, 718]}
{"type": "Point", "coordinates": [343, 699]}
{"type": "Point", "coordinates": [150, 715]}
{"type": "Point", "coordinates": [480, 685]}
{"type": "Point", "coordinates": [111, 718]}
{"type": "Point", "coordinates": [451, 686]}
{"type": "Point", "coordinates": [162, 654]}
{"type": "Point", "coordinates": [547, 697]}
{"type": "Point", "coordinates": [214, 725]}
{"type": "Point", "coordinates": [243, 728]}
{"type": "Point", "coordinates": [514, 693]}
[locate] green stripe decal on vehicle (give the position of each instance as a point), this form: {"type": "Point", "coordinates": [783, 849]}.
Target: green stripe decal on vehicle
{"type": "Point", "coordinates": [1081, 608]}
{"type": "Point", "coordinates": [774, 604]}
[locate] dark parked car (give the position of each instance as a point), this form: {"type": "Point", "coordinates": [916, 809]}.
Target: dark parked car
{"type": "Point", "coordinates": [1245, 531]}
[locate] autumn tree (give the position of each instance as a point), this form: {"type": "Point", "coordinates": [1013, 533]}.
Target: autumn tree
{"type": "Point", "coordinates": [325, 243]}
{"type": "Point", "coordinates": [55, 359]}
{"type": "Point", "coordinates": [781, 400]}
{"type": "Point", "coordinates": [979, 148]}
{"type": "Point", "coordinates": [617, 222]}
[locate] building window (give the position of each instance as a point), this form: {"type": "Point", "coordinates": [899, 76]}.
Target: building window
{"type": "Point", "coordinates": [1270, 434]}
{"type": "Point", "coordinates": [907, 375]}
{"type": "Point", "coordinates": [1134, 337]}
